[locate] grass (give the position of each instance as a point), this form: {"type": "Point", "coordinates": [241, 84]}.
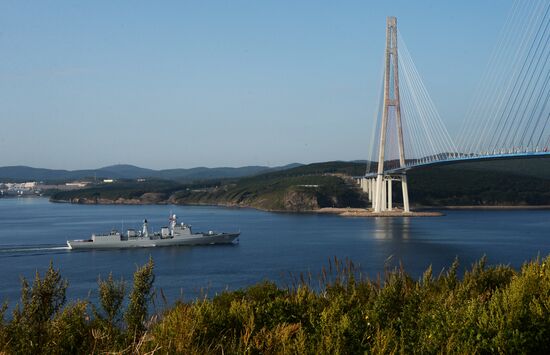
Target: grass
{"type": "Point", "coordinates": [490, 309]}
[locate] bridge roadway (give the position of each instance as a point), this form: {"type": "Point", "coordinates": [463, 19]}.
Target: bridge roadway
{"type": "Point", "coordinates": [462, 159]}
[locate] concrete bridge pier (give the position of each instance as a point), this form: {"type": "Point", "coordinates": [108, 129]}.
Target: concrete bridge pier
{"type": "Point", "coordinates": [405, 189]}
{"type": "Point", "coordinates": [371, 189]}
{"type": "Point", "coordinates": [389, 183]}
{"type": "Point", "coordinates": [384, 200]}
{"type": "Point", "coordinates": [367, 187]}
{"type": "Point", "coordinates": [380, 192]}
{"type": "Point", "coordinates": [377, 187]}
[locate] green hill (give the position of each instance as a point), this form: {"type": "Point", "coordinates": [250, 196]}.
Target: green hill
{"type": "Point", "coordinates": [301, 188]}
{"type": "Point", "coordinates": [330, 184]}
{"type": "Point", "coordinates": [483, 183]}
{"type": "Point", "coordinates": [125, 171]}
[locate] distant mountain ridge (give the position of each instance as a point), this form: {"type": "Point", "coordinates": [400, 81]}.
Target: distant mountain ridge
{"type": "Point", "coordinates": [126, 171]}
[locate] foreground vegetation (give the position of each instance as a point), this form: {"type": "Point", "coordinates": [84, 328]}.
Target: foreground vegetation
{"type": "Point", "coordinates": [489, 310]}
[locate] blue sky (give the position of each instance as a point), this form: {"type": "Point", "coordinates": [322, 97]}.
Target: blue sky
{"type": "Point", "coordinates": [220, 83]}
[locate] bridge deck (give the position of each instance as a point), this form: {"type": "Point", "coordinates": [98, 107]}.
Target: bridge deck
{"type": "Point", "coordinates": [462, 159]}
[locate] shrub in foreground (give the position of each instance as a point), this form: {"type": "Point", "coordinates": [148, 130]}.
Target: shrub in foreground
{"type": "Point", "coordinates": [493, 309]}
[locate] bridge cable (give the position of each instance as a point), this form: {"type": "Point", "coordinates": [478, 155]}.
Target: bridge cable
{"type": "Point", "coordinates": [490, 113]}
{"type": "Point", "coordinates": [503, 122]}
{"type": "Point", "coordinates": [489, 81]}
{"type": "Point", "coordinates": [524, 87]}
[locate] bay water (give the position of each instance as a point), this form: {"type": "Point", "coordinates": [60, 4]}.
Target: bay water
{"type": "Point", "coordinates": [273, 246]}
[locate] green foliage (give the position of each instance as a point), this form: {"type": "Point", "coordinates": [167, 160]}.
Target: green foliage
{"type": "Point", "coordinates": [108, 318]}
{"type": "Point", "coordinates": [3, 325]}
{"type": "Point", "coordinates": [111, 296]}
{"type": "Point", "coordinates": [491, 309]}
{"type": "Point", "coordinates": [69, 331]}
{"type": "Point", "coordinates": [303, 188]}
{"type": "Point", "coordinates": [136, 314]}
{"type": "Point", "coordinates": [42, 323]}
{"type": "Point", "coordinates": [121, 189]}
{"type": "Point", "coordinates": [328, 184]}
{"type": "Point", "coordinates": [281, 192]}
{"type": "Point", "coordinates": [513, 182]}
{"type": "Point", "coordinates": [330, 167]}
{"type": "Point", "coordinates": [29, 329]}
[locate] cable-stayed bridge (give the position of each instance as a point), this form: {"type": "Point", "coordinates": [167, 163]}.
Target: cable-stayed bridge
{"type": "Point", "coordinates": [508, 119]}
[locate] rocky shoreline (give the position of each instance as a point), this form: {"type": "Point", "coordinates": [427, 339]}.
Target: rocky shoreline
{"type": "Point", "coordinates": [344, 212]}
{"type": "Point", "coordinates": [143, 200]}
{"type": "Point", "coordinates": [362, 212]}
{"type": "Point", "coordinates": [421, 211]}
{"type": "Point", "coordinates": [504, 207]}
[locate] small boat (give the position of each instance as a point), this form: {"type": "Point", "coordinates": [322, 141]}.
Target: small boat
{"type": "Point", "coordinates": [174, 235]}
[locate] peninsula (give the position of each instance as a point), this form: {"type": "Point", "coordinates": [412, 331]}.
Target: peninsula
{"type": "Point", "coordinates": [319, 186]}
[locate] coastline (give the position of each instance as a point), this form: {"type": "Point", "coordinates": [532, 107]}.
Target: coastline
{"type": "Point", "coordinates": [418, 211]}
{"type": "Point", "coordinates": [503, 207]}
{"type": "Point", "coordinates": [362, 212]}
{"type": "Point", "coordinates": [344, 212]}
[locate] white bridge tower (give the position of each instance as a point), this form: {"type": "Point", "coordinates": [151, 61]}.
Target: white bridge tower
{"type": "Point", "coordinates": [379, 189]}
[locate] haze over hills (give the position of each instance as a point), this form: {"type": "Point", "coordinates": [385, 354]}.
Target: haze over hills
{"type": "Point", "coordinates": [125, 171]}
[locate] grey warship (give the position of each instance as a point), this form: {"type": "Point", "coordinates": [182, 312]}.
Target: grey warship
{"type": "Point", "coordinates": [174, 235]}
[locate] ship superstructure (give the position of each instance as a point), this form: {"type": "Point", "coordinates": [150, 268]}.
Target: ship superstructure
{"type": "Point", "coordinates": [173, 235]}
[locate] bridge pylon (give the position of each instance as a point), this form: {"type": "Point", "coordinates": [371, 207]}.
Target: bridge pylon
{"type": "Point", "coordinates": [382, 189]}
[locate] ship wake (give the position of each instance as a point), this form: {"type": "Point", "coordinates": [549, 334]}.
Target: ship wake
{"type": "Point", "coordinates": [24, 249]}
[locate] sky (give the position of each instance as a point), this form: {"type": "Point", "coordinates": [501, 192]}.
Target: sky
{"type": "Point", "coordinates": [180, 84]}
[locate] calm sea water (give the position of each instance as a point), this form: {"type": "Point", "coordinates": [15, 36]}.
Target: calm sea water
{"type": "Point", "coordinates": [272, 245]}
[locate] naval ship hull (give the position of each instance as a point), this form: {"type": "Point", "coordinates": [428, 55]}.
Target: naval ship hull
{"type": "Point", "coordinates": [193, 239]}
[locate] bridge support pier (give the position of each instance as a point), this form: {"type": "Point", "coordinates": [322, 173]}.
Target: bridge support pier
{"type": "Point", "coordinates": [389, 183]}
{"type": "Point", "coordinates": [384, 194]}
{"type": "Point", "coordinates": [367, 186]}
{"type": "Point", "coordinates": [380, 192]}
{"type": "Point", "coordinates": [405, 189]}
{"type": "Point", "coordinates": [371, 184]}
{"type": "Point", "coordinates": [375, 194]}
